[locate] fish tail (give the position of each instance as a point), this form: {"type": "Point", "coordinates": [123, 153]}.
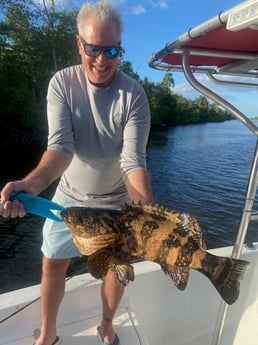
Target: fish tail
{"type": "Point", "coordinates": [225, 274]}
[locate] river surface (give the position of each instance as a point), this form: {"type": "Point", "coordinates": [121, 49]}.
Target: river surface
{"type": "Point", "coordinates": [199, 169]}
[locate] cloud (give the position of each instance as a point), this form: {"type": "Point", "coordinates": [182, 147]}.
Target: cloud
{"type": "Point", "coordinates": [243, 98]}
{"type": "Point", "coordinates": [117, 2]}
{"type": "Point", "coordinates": [186, 90]}
{"type": "Point", "coordinates": [161, 3]}
{"type": "Point", "coordinates": [137, 10]}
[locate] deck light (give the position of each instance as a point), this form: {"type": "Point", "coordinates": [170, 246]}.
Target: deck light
{"type": "Point", "coordinates": [245, 16]}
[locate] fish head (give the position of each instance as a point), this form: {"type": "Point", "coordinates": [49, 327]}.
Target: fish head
{"type": "Point", "coordinates": [92, 228]}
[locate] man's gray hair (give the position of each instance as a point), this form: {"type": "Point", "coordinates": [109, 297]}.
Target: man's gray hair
{"type": "Point", "coordinates": [102, 12]}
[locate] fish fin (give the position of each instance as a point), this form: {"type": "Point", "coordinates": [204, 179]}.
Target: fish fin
{"type": "Point", "coordinates": [179, 275]}
{"type": "Point", "coordinates": [98, 263]}
{"type": "Point", "coordinates": [124, 272]}
{"type": "Point", "coordinates": [101, 261]}
{"type": "Point", "coordinates": [225, 274]}
{"type": "Point", "coordinates": [189, 222]}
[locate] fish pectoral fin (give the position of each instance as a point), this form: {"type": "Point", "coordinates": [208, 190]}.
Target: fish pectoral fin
{"type": "Point", "coordinates": [179, 275]}
{"type": "Point", "coordinates": [98, 263]}
{"type": "Point", "coordinates": [124, 272]}
{"type": "Point", "coordinates": [101, 261]}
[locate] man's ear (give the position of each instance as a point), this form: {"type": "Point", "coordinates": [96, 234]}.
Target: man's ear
{"type": "Point", "coordinates": [79, 44]}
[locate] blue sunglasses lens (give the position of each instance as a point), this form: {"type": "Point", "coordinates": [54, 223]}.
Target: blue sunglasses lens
{"type": "Point", "coordinates": [110, 52]}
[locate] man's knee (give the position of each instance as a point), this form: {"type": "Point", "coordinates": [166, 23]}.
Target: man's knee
{"type": "Point", "coordinates": [54, 266]}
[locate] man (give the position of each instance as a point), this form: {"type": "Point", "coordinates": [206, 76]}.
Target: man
{"type": "Point", "coordinates": [99, 122]}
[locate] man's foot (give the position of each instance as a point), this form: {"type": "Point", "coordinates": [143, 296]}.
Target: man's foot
{"type": "Point", "coordinates": [57, 341]}
{"type": "Point", "coordinates": [106, 340]}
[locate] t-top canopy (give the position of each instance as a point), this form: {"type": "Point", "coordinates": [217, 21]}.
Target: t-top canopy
{"type": "Point", "coordinates": [225, 44]}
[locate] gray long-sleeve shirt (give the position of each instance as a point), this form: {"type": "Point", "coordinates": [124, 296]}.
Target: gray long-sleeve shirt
{"type": "Point", "coordinates": [103, 132]}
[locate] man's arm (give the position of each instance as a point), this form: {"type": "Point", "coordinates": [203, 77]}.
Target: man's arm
{"type": "Point", "coordinates": [139, 187]}
{"type": "Point", "coordinates": [50, 167]}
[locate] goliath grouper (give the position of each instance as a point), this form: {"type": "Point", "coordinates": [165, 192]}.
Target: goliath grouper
{"type": "Point", "coordinates": [115, 238]}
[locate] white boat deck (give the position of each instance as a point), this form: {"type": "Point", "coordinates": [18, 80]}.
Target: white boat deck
{"type": "Point", "coordinates": [152, 311]}
{"type": "Point", "coordinates": [84, 331]}
{"type": "Point", "coordinates": [79, 316]}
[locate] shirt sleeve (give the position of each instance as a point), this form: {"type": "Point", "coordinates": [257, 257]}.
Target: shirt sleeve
{"type": "Point", "coordinates": [60, 129]}
{"type": "Point", "coordinates": [136, 132]}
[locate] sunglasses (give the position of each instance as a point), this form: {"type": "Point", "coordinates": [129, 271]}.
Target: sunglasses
{"type": "Point", "coordinates": [111, 52]}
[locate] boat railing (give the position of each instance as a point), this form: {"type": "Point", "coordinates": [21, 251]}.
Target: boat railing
{"type": "Point", "coordinates": [248, 213]}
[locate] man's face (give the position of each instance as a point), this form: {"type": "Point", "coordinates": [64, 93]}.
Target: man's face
{"type": "Point", "coordinates": [100, 69]}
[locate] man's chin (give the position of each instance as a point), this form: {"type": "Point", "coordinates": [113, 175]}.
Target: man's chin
{"type": "Point", "coordinates": [101, 79]}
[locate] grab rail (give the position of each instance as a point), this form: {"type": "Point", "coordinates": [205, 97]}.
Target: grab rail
{"type": "Point", "coordinates": [247, 213]}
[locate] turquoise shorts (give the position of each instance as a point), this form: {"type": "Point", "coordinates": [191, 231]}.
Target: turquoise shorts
{"type": "Point", "coordinates": [57, 238]}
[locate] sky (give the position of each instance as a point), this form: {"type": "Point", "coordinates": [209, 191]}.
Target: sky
{"type": "Point", "coordinates": [150, 24]}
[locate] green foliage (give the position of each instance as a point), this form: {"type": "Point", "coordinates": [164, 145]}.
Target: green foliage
{"type": "Point", "coordinates": [170, 109]}
{"type": "Point", "coordinates": [35, 42]}
{"type": "Point", "coordinates": [161, 100]}
{"type": "Point", "coordinates": [17, 97]}
{"type": "Point", "coordinates": [126, 66]}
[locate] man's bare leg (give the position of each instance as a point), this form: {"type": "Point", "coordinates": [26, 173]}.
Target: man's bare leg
{"type": "Point", "coordinates": [52, 292]}
{"type": "Point", "coordinates": [111, 293]}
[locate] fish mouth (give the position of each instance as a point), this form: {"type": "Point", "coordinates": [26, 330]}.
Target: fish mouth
{"type": "Point", "coordinates": [64, 214]}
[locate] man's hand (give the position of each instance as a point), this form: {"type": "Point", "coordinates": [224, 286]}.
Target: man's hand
{"type": "Point", "coordinates": [10, 208]}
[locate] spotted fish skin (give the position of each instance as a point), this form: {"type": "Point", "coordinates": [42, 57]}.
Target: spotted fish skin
{"type": "Point", "coordinates": [116, 238]}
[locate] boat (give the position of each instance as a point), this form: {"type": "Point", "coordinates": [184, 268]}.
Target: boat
{"type": "Point", "coordinates": [153, 311]}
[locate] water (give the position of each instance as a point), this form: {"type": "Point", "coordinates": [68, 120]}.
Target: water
{"type": "Point", "coordinates": [204, 170]}
{"type": "Point", "coordinates": [199, 169]}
